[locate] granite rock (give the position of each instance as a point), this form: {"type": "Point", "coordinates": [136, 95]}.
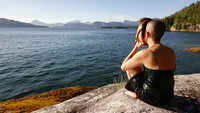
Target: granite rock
{"type": "Point", "coordinates": [108, 99]}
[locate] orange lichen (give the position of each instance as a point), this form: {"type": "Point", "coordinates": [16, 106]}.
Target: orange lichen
{"type": "Point", "coordinates": [28, 104]}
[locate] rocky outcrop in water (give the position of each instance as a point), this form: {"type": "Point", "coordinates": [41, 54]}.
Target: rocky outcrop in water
{"type": "Point", "coordinates": [109, 99]}
{"type": "Point", "coordinates": [196, 49]}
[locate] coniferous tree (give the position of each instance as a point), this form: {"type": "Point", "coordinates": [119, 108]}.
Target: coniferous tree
{"type": "Point", "coordinates": [187, 16]}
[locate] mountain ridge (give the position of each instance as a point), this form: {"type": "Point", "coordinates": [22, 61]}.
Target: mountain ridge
{"type": "Point", "coordinates": [72, 24]}
{"type": "Point", "coordinates": [37, 22]}
{"type": "Point", "coordinates": [79, 24]}
{"type": "Point", "coordinates": [13, 23]}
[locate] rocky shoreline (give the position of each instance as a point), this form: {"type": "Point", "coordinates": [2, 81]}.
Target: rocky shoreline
{"type": "Point", "coordinates": [35, 102]}
{"type": "Point", "coordinates": [111, 98]}
{"type": "Point", "coordinates": [189, 28]}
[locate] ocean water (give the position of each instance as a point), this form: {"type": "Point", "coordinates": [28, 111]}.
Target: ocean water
{"type": "Point", "coordinates": [34, 61]}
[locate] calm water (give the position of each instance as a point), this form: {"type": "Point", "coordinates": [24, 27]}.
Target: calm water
{"type": "Point", "coordinates": [34, 61]}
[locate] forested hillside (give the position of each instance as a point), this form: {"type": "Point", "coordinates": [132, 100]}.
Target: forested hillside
{"type": "Point", "coordinates": [187, 19]}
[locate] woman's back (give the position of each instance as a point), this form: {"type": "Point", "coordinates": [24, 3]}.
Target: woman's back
{"type": "Point", "coordinates": [154, 84]}
{"type": "Point", "coordinates": [159, 67]}
{"type": "Point", "coordinates": [159, 57]}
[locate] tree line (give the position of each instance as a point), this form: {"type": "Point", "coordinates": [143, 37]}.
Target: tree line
{"type": "Point", "coordinates": [188, 16]}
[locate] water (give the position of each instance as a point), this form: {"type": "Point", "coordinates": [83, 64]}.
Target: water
{"type": "Point", "coordinates": [34, 61]}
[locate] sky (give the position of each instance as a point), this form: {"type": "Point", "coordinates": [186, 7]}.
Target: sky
{"type": "Point", "coordinates": [52, 11]}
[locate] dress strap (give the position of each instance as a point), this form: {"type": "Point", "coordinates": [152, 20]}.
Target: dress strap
{"type": "Point", "coordinates": [155, 58]}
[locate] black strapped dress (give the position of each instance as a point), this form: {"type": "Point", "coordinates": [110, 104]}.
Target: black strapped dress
{"type": "Point", "coordinates": [155, 87]}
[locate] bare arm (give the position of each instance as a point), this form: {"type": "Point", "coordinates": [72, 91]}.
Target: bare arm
{"type": "Point", "coordinates": [132, 60]}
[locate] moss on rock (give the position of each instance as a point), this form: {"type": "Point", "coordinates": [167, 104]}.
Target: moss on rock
{"type": "Point", "coordinates": [28, 104]}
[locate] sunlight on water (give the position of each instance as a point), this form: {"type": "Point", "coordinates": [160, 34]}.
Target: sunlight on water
{"type": "Point", "coordinates": [33, 61]}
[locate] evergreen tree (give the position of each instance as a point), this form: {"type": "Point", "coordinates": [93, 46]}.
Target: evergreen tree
{"type": "Point", "coordinates": [180, 19]}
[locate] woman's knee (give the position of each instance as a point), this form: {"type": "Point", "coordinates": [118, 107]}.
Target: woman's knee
{"type": "Point", "coordinates": [136, 70]}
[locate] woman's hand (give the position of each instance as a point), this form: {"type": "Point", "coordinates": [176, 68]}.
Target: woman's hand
{"type": "Point", "coordinates": [138, 44]}
{"type": "Point", "coordinates": [133, 52]}
{"type": "Point", "coordinates": [133, 60]}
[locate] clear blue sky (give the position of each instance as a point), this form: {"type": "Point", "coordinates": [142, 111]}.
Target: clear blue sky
{"type": "Point", "coordinates": [51, 11]}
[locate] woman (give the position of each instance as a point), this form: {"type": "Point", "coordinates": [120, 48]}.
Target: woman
{"type": "Point", "coordinates": [154, 84]}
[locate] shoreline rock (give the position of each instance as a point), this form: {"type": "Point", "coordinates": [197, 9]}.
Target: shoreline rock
{"type": "Point", "coordinates": [190, 31]}
{"type": "Point", "coordinates": [195, 49]}
{"type": "Point", "coordinates": [188, 28]}
{"type": "Point", "coordinates": [35, 102]}
{"type": "Point", "coordinates": [108, 99]}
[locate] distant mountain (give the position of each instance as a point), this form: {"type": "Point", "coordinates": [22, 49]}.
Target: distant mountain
{"type": "Point", "coordinates": [120, 27]}
{"type": "Point", "coordinates": [36, 22]}
{"type": "Point", "coordinates": [87, 25]}
{"type": "Point", "coordinates": [156, 18]}
{"type": "Point", "coordinates": [130, 23]}
{"type": "Point", "coordinates": [77, 25]}
{"type": "Point", "coordinates": [66, 25]}
{"type": "Point", "coordinates": [75, 21]}
{"type": "Point", "coordinates": [99, 24]}
{"type": "Point", "coordinates": [12, 23]}
{"type": "Point", "coordinates": [114, 24]}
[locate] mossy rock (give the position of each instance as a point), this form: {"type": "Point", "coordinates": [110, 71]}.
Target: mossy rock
{"type": "Point", "coordinates": [35, 102]}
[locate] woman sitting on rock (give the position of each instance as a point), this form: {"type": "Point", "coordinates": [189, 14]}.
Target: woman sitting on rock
{"type": "Point", "coordinates": [154, 83]}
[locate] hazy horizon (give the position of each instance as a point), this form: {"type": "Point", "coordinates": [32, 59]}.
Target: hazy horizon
{"type": "Point", "coordinates": [63, 11]}
{"type": "Point", "coordinates": [80, 21]}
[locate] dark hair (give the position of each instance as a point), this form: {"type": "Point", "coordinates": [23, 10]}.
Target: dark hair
{"type": "Point", "coordinates": [156, 29]}
{"type": "Point", "coordinates": [143, 22]}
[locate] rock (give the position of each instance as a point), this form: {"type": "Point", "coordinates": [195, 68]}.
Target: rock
{"type": "Point", "coordinates": [196, 49]}
{"type": "Point", "coordinates": [188, 27]}
{"type": "Point", "coordinates": [80, 103]}
{"type": "Point", "coordinates": [35, 102]}
{"type": "Point", "coordinates": [109, 99]}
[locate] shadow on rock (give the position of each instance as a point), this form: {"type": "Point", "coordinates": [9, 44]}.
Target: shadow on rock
{"type": "Point", "coordinates": [184, 103]}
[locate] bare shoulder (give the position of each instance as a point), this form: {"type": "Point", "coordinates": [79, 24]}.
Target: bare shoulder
{"type": "Point", "coordinates": [170, 50]}
{"type": "Point", "coordinates": [143, 52]}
